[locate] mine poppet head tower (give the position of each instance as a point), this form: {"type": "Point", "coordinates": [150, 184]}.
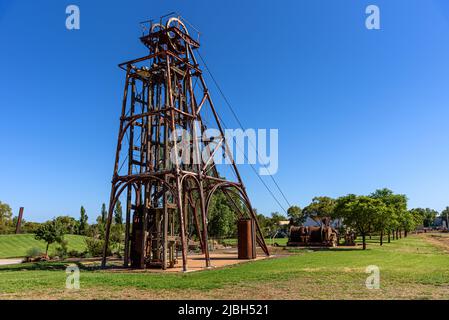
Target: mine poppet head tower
{"type": "Point", "coordinates": [166, 178]}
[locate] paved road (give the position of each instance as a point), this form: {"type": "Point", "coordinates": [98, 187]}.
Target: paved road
{"type": "Point", "coordinates": [4, 262]}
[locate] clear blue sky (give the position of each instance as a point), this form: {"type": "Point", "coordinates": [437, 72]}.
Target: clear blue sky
{"type": "Point", "coordinates": [356, 109]}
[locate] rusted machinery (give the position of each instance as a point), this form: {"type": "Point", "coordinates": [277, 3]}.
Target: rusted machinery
{"type": "Point", "coordinates": [168, 195]}
{"type": "Point", "coordinates": [313, 236]}
{"type": "Point", "coordinates": [350, 237]}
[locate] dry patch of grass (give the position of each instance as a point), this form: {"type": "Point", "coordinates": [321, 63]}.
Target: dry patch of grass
{"type": "Point", "coordinates": [440, 240]}
{"type": "Point", "coordinates": [304, 288]}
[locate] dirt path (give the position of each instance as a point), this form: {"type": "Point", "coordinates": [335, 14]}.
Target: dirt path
{"type": "Point", "coordinates": [4, 262]}
{"type": "Point", "coordinates": [440, 240]}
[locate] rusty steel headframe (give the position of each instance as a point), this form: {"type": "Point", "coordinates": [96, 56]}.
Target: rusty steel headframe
{"type": "Point", "coordinates": [165, 199]}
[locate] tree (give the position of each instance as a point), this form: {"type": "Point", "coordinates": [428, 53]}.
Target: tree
{"type": "Point", "coordinates": [5, 217]}
{"type": "Point", "coordinates": [50, 232]}
{"type": "Point", "coordinates": [118, 213]}
{"type": "Point", "coordinates": [320, 208]}
{"type": "Point", "coordinates": [276, 218]}
{"type": "Point", "coordinates": [30, 227]}
{"type": "Point", "coordinates": [117, 236]}
{"type": "Point", "coordinates": [103, 215]}
{"type": "Point", "coordinates": [83, 225]}
{"type": "Point", "coordinates": [270, 225]}
{"type": "Point", "coordinates": [222, 218]}
{"type": "Point", "coordinates": [265, 224]}
{"type": "Point", "coordinates": [69, 224]}
{"type": "Point", "coordinates": [393, 220]}
{"type": "Point", "coordinates": [296, 216]}
{"type": "Point", "coordinates": [410, 222]}
{"type": "Point", "coordinates": [445, 216]}
{"type": "Point", "coordinates": [359, 213]}
{"type": "Point", "coordinates": [427, 216]}
{"type": "Point", "coordinates": [382, 222]}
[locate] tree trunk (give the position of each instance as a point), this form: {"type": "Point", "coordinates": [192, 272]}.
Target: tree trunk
{"type": "Point", "coordinates": [400, 234]}
{"type": "Point", "coordinates": [397, 234]}
{"type": "Point", "coordinates": [46, 250]}
{"type": "Point", "coordinates": [364, 241]}
{"type": "Point", "coordinates": [381, 238]}
{"type": "Point", "coordinates": [389, 236]}
{"type": "Point", "coordinates": [405, 233]}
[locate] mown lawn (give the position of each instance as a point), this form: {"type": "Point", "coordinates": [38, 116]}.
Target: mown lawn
{"type": "Point", "coordinates": [268, 241]}
{"type": "Point", "coordinates": [17, 245]}
{"type": "Point", "coordinates": [410, 268]}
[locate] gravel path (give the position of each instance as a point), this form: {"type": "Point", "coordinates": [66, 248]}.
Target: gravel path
{"type": "Point", "coordinates": [4, 262]}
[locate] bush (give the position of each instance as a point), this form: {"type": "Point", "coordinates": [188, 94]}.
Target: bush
{"type": "Point", "coordinates": [75, 254]}
{"type": "Point", "coordinates": [34, 252]}
{"type": "Point", "coordinates": [60, 253]}
{"type": "Point", "coordinates": [30, 227]}
{"type": "Point", "coordinates": [95, 247]}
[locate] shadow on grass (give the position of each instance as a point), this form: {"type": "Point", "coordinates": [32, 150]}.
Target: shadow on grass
{"type": "Point", "coordinates": [47, 266]}
{"type": "Point", "coordinates": [317, 249]}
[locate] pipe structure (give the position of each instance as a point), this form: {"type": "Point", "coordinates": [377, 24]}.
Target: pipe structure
{"type": "Point", "coordinates": [168, 197]}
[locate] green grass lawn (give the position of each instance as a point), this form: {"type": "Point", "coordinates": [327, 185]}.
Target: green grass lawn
{"type": "Point", "coordinates": [410, 268]}
{"type": "Point", "coordinates": [279, 241]}
{"type": "Point", "coordinates": [14, 246]}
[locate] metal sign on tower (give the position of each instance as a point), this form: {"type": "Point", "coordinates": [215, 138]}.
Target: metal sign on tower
{"type": "Point", "coordinates": [168, 198]}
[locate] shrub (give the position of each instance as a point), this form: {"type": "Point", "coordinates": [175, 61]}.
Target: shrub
{"type": "Point", "coordinates": [34, 252]}
{"type": "Point", "coordinates": [61, 251]}
{"type": "Point", "coordinates": [30, 227]}
{"type": "Point", "coordinates": [95, 247]}
{"type": "Point", "coordinates": [75, 254]}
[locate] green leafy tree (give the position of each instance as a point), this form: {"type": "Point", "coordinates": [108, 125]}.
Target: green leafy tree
{"type": "Point", "coordinates": [50, 232]}
{"type": "Point", "coordinates": [276, 218]}
{"type": "Point", "coordinates": [95, 246]}
{"type": "Point", "coordinates": [222, 218]}
{"type": "Point", "coordinates": [13, 224]}
{"type": "Point", "coordinates": [395, 215]}
{"type": "Point", "coordinates": [30, 227]}
{"type": "Point", "coordinates": [320, 208]}
{"type": "Point", "coordinates": [104, 214]}
{"type": "Point", "coordinates": [265, 224]}
{"type": "Point", "coordinates": [270, 225]}
{"type": "Point", "coordinates": [296, 216]}
{"type": "Point", "coordinates": [359, 213]}
{"type": "Point", "coordinates": [82, 223]}
{"type": "Point", "coordinates": [382, 222]}
{"type": "Point", "coordinates": [427, 216]}
{"type": "Point", "coordinates": [118, 213]}
{"type": "Point", "coordinates": [410, 222]}
{"type": "Point", "coordinates": [99, 228]}
{"type": "Point", "coordinates": [69, 224]}
{"type": "Point", "coordinates": [5, 218]}
{"type": "Point", "coordinates": [117, 236]}
{"type": "Point", "coordinates": [445, 215]}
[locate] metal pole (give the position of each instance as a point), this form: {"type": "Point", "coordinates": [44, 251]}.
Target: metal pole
{"type": "Point", "coordinates": [19, 220]}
